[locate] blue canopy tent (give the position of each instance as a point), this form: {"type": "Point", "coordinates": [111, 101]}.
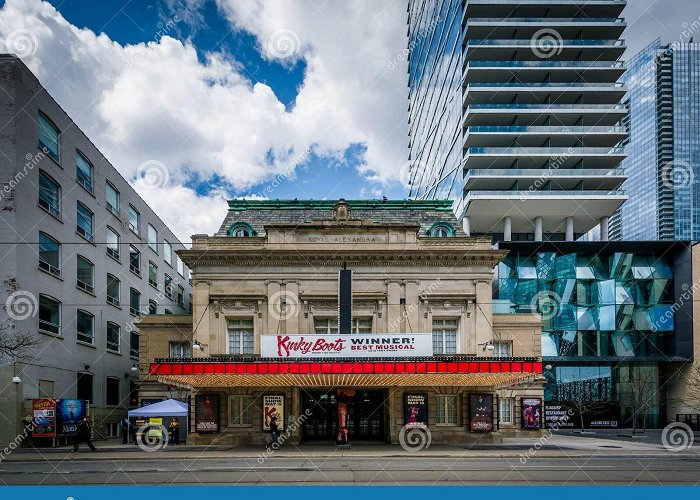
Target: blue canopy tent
{"type": "Point", "coordinates": [167, 408]}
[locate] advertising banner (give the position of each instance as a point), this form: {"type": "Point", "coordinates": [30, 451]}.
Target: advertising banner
{"type": "Point", "coordinates": [596, 414]}
{"type": "Point", "coordinates": [531, 413]}
{"type": "Point", "coordinates": [69, 412]}
{"type": "Point", "coordinates": [273, 406]}
{"type": "Point", "coordinates": [416, 411]}
{"type": "Point", "coordinates": [481, 412]}
{"type": "Point", "coordinates": [206, 413]}
{"type": "Point", "coordinates": [373, 345]}
{"type": "Point", "coordinates": [43, 418]}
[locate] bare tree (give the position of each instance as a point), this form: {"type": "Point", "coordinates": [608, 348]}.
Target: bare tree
{"type": "Point", "coordinates": [16, 345]}
{"type": "Point", "coordinates": [585, 407]}
{"type": "Point", "coordinates": [642, 384]}
{"type": "Point", "coordinates": [691, 395]}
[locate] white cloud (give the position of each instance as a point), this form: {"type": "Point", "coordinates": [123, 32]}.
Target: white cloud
{"type": "Point", "coordinates": [158, 100]}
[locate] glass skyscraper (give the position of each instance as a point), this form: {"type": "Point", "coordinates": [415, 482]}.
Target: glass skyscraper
{"type": "Point", "coordinates": [515, 114]}
{"type": "Point", "coordinates": [663, 151]}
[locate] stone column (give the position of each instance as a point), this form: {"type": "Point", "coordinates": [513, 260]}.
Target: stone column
{"type": "Point", "coordinates": [483, 312]}
{"type": "Point", "coordinates": [466, 225]}
{"type": "Point", "coordinates": [293, 309]}
{"type": "Point", "coordinates": [202, 309]}
{"type": "Point", "coordinates": [393, 297]}
{"type": "Point", "coordinates": [273, 316]}
{"type": "Point", "coordinates": [412, 307]}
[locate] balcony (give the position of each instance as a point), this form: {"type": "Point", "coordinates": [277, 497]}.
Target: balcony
{"type": "Point", "coordinates": [534, 136]}
{"type": "Point", "coordinates": [542, 157]}
{"type": "Point", "coordinates": [527, 27]}
{"type": "Point", "coordinates": [538, 93]}
{"type": "Point", "coordinates": [527, 179]}
{"type": "Point", "coordinates": [534, 71]}
{"type": "Point", "coordinates": [529, 50]}
{"type": "Point", "coordinates": [540, 114]}
{"type": "Point", "coordinates": [540, 8]}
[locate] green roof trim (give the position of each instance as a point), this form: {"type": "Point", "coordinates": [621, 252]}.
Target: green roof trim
{"type": "Point", "coordinates": [243, 205]}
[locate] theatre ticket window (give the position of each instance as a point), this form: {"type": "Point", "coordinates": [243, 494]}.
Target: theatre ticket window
{"type": "Point", "coordinates": [445, 336]}
{"type": "Point", "coordinates": [240, 336]}
{"type": "Point", "coordinates": [446, 409]}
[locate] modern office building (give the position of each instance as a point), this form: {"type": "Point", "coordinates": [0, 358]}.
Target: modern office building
{"type": "Point", "coordinates": [515, 113]}
{"type": "Point", "coordinates": [663, 151]}
{"type": "Point", "coordinates": [618, 322]}
{"type": "Point", "coordinates": [83, 258]}
{"type": "Point", "coordinates": [371, 317]}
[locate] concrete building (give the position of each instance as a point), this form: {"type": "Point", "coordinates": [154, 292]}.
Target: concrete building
{"type": "Point", "coordinates": [515, 113]}
{"type": "Point", "coordinates": [414, 344]}
{"type": "Point", "coordinates": [662, 164]}
{"type": "Point", "coordinates": [83, 258]}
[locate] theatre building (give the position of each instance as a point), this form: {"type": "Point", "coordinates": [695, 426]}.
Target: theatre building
{"type": "Point", "coordinates": [350, 321]}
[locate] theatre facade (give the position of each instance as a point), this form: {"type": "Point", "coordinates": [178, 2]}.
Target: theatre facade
{"type": "Point", "coordinates": [350, 321]}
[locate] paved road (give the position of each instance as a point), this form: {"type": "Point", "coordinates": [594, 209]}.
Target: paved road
{"type": "Point", "coordinates": [662, 469]}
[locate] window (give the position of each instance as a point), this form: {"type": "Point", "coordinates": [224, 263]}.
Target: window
{"type": "Point", "coordinates": [240, 336]}
{"type": "Point", "coordinates": [113, 292]}
{"type": "Point", "coordinates": [84, 386]}
{"type": "Point", "coordinates": [441, 230]}
{"type": "Point", "coordinates": [112, 243]}
{"type": "Point", "coordinates": [134, 220]}
{"type": "Point", "coordinates": [362, 325]}
{"type": "Point", "coordinates": [445, 336]}
{"type": "Point", "coordinates": [49, 315]}
{"type": "Point", "coordinates": [49, 195]}
{"type": "Point", "coordinates": [505, 411]}
{"type": "Point", "coordinates": [180, 296]}
{"type": "Point", "coordinates": [46, 388]}
{"type": "Point", "coordinates": [112, 391]}
{"type": "Point", "coordinates": [189, 304]}
{"type": "Point", "coordinates": [49, 137]}
{"type": "Point", "coordinates": [84, 221]}
{"type": "Point", "coordinates": [134, 301]}
{"type": "Point", "coordinates": [85, 324]}
{"type": "Point", "coordinates": [167, 252]}
{"type": "Point", "coordinates": [83, 171]}
{"type": "Point", "coordinates": [86, 275]}
{"type": "Point", "coordinates": [49, 254]}
{"type": "Point", "coordinates": [152, 238]}
{"type": "Point", "coordinates": [134, 260]}
{"type": "Point", "coordinates": [503, 349]}
{"type": "Point", "coordinates": [112, 337]}
{"type": "Point", "coordinates": [134, 344]}
{"type": "Point", "coordinates": [180, 350]}
{"type": "Point", "coordinates": [446, 409]}
{"type": "Point", "coordinates": [152, 307]}
{"type": "Point", "coordinates": [152, 274]}
{"type": "Point", "coordinates": [112, 199]}
{"type": "Point", "coordinates": [239, 410]}
{"type": "Point", "coordinates": [168, 311]}
{"type": "Point", "coordinates": [168, 286]}
{"type": "Point", "coordinates": [180, 266]}
{"type": "Point", "coordinates": [240, 230]}
{"type": "Point", "coordinates": [329, 326]}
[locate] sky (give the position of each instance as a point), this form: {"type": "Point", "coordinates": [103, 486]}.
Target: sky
{"type": "Point", "coordinates": [199, 101]}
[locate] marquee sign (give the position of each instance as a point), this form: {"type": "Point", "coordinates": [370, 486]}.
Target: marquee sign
{"type": "Point", "coordinates": [377, 345]}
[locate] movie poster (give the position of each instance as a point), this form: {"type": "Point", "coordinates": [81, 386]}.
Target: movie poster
{"type": "Point", "coordinates": [481, 412]}
{"type": "Point", "coordinates": [206, 413]}
{"type": "Point", "coordinates": [531, 413]}
{"type": "Point", "coordinates": [43, 418]}
{"type": "Point", "coordinates": [68, 413]}
{"type": "Point", "coordinates": [416, 411]}
{"type": "Point", "coordinates": [273, 406]}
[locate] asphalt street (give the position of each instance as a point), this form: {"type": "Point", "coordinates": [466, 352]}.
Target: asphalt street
{"type": "Point", "coordinates": [628, 469]}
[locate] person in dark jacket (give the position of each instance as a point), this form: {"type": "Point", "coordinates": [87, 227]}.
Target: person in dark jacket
{"type": "Point", "coordinates": [126, 427]}
{"type": "Point", "coordinates": [274, 433]}
{"type": "Point", "coordinates": [84, 435]}
{"type": "Point", "coordinates": [174, 431]}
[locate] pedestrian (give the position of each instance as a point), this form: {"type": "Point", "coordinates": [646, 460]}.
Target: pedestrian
{"type": "Point", "coordinates": [273, 431]}
{"type": "Point", "coordinates": [84, 435]}
{"type": "Point", "coordinates": [174, 431]}
{"type": "Point", "coordinates": [126, 426]}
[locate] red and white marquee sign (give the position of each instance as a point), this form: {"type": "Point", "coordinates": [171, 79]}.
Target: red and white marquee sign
{"type": "Point", "coordinates": [377, 345]}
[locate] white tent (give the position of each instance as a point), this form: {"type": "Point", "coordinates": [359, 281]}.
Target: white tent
{"type": "Point", "coordinates": [167, 408]}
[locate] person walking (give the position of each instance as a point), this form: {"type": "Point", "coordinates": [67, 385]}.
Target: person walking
{"type": "Point", "coordinates": [84, 434]}
{"type": "Point", "coordinates": [274, 434]}
{"type": "Point", "coordinates": [126, 425]}
{"type": "Point", "coordinates": [174, 431]}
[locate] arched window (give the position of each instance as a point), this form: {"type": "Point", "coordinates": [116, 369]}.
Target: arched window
{"type": "Point", "coordinates": [441, 230]}
{"type": "Point", "coordinates": [240, 230]}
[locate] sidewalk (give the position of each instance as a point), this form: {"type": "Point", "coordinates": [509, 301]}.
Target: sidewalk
{"type": "Point", "coordinates": [557, 446]}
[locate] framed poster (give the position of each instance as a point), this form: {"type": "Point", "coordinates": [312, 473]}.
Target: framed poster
{"type": "Point", "coordinates": [415, 411]}
{"type": "Point", "coordinates": [43, 418]}
{"type": "Point", "coordinates": [273, 406]}
{"type": "Point", "coordinates": [206, 413]}
{"type": "Point", "coordinates": [68, 413]}
{"type": "Point", "coordinates": [531, 413]}
{"type": "Point", "coordinates": [481, 412]}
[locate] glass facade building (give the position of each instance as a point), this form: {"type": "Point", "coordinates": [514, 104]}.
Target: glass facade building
{"type": "Point", "coordinates": [663, 151]}
{"type": "Point", "coordinates": [612, 315]}
{"type": "Point", "coordinates": [515, 114]}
